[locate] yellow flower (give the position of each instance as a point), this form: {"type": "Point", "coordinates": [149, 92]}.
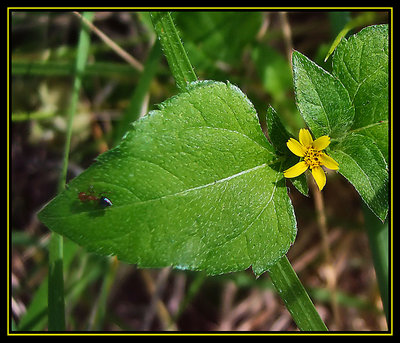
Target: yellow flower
{"type": "Point", "coordinates": [313, 157]}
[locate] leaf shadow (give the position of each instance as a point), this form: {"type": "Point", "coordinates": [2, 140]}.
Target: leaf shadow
{"type": "Point", "coordinates": [92, 209]}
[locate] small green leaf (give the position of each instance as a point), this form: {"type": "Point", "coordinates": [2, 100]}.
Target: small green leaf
{"type": "Point", "coordinates": [362, 163]}
{"type": "Point", "coordinates": [361, 64]}
{"type": "Point", "coordinates": [195, 185]}
{"type": "Point", "coordinates": [322, 100]}
{"type": "Point", "coordinates": [278, 136]}
{"type": "Point", "coordinates": [277, 133]}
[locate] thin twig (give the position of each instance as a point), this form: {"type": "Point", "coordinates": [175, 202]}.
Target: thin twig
{"type": "Point", "coordinates": [264, 26]}
{"type": "Point", "coordinates": [309, 255]}
{"type": "Point", "coordinates": [258, 321]}
{"type": "Point", "coordinates": [287, 35]}
{"type": "Point", "coordinates": [157, 304]}
{"type": "Point", "coordinates": [330, 272]}
{"type": "Point", "coordinates": [108, 41]}
{"type": "Point", "coordinates": [228, 296]}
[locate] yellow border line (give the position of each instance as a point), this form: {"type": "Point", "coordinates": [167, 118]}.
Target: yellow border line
{"type": "Point", "coordinates": [205, 8]}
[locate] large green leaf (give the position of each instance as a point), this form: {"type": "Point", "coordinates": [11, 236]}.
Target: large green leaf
{"type": "Point", "coordinates": [323, 101]}
{"type": "Point", "coordinates": [361, 64]}
{"type": "Point", "coordinates": [195, 185]}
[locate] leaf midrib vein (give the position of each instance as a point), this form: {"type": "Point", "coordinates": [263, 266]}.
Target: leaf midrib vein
{"type": "Point", "coordinates": [228, 178]}
{"type": "Point", "coordinates": [183, 192]}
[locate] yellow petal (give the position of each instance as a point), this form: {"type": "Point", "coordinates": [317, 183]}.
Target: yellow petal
{"type": "Point", "coordinates": [328, 162]}
{"type": "Point", "coordinates": [296, 148]}
{"type": "Point", "coordinates": [321, 143]}
{"type": "Point", "coordinates": [296, 170]}
{"type": "Point", "coordinates": [319, 176]}
{"type": "Point", "coordinates": [305, 137]}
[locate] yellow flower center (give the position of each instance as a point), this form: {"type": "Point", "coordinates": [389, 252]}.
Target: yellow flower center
{"type": "Point", "coordinates": [312, 157]}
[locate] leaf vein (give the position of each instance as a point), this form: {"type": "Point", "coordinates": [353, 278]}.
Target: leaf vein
{"type": "Point", "coordinates": [382, 122]}
{"type": "Point", "coordinates": [359, 167]}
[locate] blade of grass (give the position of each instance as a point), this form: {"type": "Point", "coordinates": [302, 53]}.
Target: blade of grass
{"type": "Point", "coordinates": [100, 308]}
{"type": "Point", "coordinates": [35, 318]}
{"type": "Point", "coordinates": [56, 306]}
{"type": "Point", "coordinates": [378, 237]}
{"type": "Point", "coordinates": [174, 51]}
{"type": "Point", "coordinates": [61, 68]}
{"type": "Point", "coordinates": [31, 116]}
{"type": "Point", "coordinates": [360, 20]}
{"type": "Point", "coordinates": [55, 295]}
{"type": "Point", "coordinates": [295, 297]}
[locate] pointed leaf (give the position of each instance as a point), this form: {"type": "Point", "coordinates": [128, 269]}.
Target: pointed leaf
{"type": "Point", "coordinates": [195, 185]}
{"type": "Point", "coordinates": [361, 64]}
{"type": "Point", "coordinates": [322, 100]}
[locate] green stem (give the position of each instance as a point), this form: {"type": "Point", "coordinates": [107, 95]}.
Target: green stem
{"type": "Point", "coordinates": [295, 297]}
{"type": "Point", "coordinates": [82, 53]}
{"type": "Point", "coordinates": [173, 49]}
{"type": "Point", "coordinates": [56, 307]}
{"type": "Point", "coordinates": [378, 237]}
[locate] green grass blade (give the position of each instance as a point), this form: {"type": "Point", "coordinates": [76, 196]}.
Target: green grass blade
{"type": "Point", "coordinates": [110, 271]}
{"type": "Point", "coordinates": [82, 53]}
{"type": "Point", "coordinates": [378, 236]}
{"type": "Point", "coordinates": [361, 20]}
{"type": "Point", "coordinates": [35, 318]}
{"type": "Point", "coordinates": [62, 68]}
{"type": "Point", "coordinates": [56, 307]}
{"type": "Point", "coordinates": [173, 49]}
{"type": "Point", "coordinates": [295, 297]}
{"type": "Point", "coordinates": [31, 116]}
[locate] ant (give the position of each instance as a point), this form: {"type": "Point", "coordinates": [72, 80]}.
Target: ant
{"type": "Point", "coordinates": [90, 196]}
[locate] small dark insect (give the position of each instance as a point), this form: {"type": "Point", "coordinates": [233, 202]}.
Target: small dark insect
{"type": "Point", "coordinates": [105, 202]}
{"type": "Point", "coordinates": [90, 196]}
